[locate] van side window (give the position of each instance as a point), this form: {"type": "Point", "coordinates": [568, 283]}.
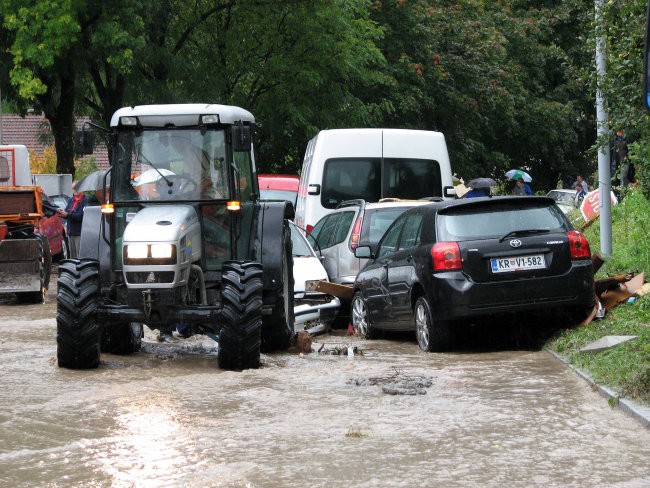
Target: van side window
{"type": "Point", "coordinates": [411, 178]}
{"type": "Point", "coordinates": [322, 234]}
{"type": "Point", "coordinates": [344, 224]}
{"type": "Point", "coordinates": [350, 178]}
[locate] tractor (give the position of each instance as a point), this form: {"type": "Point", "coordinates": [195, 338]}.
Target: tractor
{"type": "Point", "coordinates": [181, 243]}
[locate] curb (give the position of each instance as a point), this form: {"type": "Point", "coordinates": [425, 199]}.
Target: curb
{"type": "Point", "coordinates": [639, 412]}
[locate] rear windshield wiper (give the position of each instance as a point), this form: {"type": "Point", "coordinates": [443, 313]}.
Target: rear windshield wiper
{"type": "Point", "coordinates": [523, 232]}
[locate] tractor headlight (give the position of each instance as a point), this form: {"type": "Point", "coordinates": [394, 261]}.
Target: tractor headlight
{"type": "Point", "coordinates": [139, 254]}
{"type": "Point", "coordinates": [159, 251]}
{"type": "Point", "coordinates": [137, 251]}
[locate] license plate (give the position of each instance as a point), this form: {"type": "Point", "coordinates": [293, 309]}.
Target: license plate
{"type": "Point", "coordinates": [520, 263]}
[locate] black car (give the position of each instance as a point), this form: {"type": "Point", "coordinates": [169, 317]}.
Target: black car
{"type": "Point", "coordinates": [465, 258]}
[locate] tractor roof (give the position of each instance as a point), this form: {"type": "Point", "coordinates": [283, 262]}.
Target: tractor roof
{"type": "Point", "coordinates": [177, 114]}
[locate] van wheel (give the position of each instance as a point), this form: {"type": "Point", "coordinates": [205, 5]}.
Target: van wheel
{"type": "Point", "coordinates": [241, 317]}
{"type": "Point", "coordinates": [278, 328]}
{"type": "Point", "coordinates": [431, 336]}
{"type": "Point", "coordinates": [361, 318]}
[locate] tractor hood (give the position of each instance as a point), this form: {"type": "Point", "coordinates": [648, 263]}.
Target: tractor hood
{"type": "Point", "coordinates": [161, 223]}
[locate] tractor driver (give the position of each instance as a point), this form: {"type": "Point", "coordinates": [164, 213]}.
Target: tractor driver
{"type": "Point", "coordinates": [197, 169]}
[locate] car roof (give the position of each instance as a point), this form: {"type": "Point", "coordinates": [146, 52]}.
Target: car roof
{"type": "Point", "coordinates": [384, 203]}
{"type": "Point", "coordinates": [278, 182]}
{"type": "Point", "coordinates": [484, 201]}
{"type": "Point", "coordinates": [562, 190]}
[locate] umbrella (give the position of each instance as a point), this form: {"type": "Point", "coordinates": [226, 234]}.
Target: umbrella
{"type": "Point", "coordinates": [482, 183]}
{"type": "Point", "coordinates": [150, 176]}
{"type": "Point", "coordinates": [93, 181]}
{"type": "Point", "coordinates": [515, 174]}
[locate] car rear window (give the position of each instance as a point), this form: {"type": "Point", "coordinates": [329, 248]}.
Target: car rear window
{"type": "Point", "coordinates": [376, 221]}
{"type": "Point", "coordinates": [497, 219]}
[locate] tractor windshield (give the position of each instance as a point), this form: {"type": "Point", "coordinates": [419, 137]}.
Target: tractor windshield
{"type": "Point", "coordinates": [170, 164]}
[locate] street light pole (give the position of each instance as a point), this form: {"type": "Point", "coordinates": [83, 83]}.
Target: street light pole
{"type": "Point", "coordinates": [604, 176]}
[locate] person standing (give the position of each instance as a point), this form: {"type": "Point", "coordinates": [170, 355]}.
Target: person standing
{"type": "Point", "coordinates": [73, 213]}
{"type": "Point", "coordinates": [522, 188]}
{"type": "Point", "coordinates": [580, 184]}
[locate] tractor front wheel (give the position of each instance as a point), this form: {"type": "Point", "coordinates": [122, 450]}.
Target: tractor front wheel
{"type": "Point", "coordinates": [77, 331]}
{"type": "Point", "coordinates": [241, 326]}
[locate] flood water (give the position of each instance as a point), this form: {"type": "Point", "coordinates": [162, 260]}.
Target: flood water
{"type": "Point", "coordinates": [168, 416]}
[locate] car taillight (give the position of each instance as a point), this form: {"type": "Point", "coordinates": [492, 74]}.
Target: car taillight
{"type": "Point", "coordinates": [446, 256]}
{"type": "Point", "coordinates": [3, 231]}
{"type": "Point", "coordinates": [578, 245]}
{"type": "Point", "coordinates": [308, 229]}
{"type": "Point", "coordinates": [356, 232]}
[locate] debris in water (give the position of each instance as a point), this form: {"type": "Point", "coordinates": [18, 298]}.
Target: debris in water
{"type": "Point", "coordinates": [397, 383]}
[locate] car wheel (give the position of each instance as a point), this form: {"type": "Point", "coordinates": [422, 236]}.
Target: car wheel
{"type": "Point", "coordinates": [361, 318]}
{"type": "Point", "coordinates": [431, 336]}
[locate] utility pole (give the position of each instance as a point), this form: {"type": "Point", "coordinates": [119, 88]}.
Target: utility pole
{"type": "Point", "coordinates": [0, 115]}
{"type": "Point", "coordinates": [604, 176]}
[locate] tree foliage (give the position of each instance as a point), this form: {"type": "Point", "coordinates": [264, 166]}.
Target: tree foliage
{"type": "Point", "coordinates": [623, 25]}
{"type": "Point", "coordinates": [509, 83]}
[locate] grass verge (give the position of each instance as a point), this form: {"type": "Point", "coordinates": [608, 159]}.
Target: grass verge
{"type": "Point", "coordinates": [625, 368]}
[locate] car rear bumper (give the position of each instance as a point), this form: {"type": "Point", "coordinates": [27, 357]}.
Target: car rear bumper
{"type": "Point", "coordinates": [455, 296]}
{"type": "Point", "coordinates": [320, 307]}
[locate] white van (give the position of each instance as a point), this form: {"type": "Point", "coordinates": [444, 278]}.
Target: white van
{"type": "Point", "coordinates": [346, 164]}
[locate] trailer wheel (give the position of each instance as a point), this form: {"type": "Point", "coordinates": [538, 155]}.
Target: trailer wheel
{"type": "Point", "coordinates": [240, 334]}
{"type": "Point", "coordinates": [122, 338]}
{"type": "Point", "coordinates": [45, 260]}
{"type": "Point", "coordinates": [77, 331]}
{"type": "Point", "coordinates": [278, 328]}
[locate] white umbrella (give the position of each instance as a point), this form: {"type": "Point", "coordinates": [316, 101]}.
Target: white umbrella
{"type": "Point", "coordinates": [151, 176]}
{"type": "Point", "coordinates": [515, 174]}
{"type": "Point", "coordinates": [93, 181]}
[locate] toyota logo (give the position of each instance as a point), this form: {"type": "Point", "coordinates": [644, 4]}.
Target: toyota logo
{"type": "Point", "coordinates": [515, 243]}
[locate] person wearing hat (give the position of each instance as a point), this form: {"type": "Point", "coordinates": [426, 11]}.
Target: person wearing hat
{"type": "Point", "coordinates": [522, 188]}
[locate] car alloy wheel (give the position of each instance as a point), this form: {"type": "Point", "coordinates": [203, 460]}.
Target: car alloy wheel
{"type": "Point", "coordinates": [360, 316]}
{"type": "Point", "coordinates": [422, 325]}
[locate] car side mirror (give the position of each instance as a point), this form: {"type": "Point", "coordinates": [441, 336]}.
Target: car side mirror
{"type": "Point", "coordinates": [449, 192]}
{"type": "Point", "coordinates": [363, 252]}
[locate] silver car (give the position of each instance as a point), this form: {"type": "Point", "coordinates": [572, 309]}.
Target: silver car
{"type": "Point", "coordinates": [353, 223]}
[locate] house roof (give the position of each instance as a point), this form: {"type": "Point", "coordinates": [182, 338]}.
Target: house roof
{"type": "Point", "coordinates": [33, 131]}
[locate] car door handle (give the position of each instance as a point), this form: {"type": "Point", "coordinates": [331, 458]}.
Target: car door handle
{"type": "Point", "coordinates": [409, 258]}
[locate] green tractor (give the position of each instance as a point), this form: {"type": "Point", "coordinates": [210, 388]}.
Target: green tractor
{"type": "Point", "coordinates": [181, 243]}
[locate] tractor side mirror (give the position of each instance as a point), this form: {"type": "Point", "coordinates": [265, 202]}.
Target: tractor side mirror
{"type": "Point", "coordinates": [241, 138]}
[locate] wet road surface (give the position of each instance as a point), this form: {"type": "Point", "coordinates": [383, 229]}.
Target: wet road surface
{"type": "Point", "coordinates": [168, 416]}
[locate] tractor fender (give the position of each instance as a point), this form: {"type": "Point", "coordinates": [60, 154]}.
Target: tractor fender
{"type": "Point", "coordinates": [269, 242]}
{"type": "Point", "coordinates": [93, 244]}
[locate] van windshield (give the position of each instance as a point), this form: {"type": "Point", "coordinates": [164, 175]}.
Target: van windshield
{"type": "Point", "coordinates": [352, 178]}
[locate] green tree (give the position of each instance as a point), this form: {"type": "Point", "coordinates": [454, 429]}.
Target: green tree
{"type": "Point", "coordinates": [624, 24]}
{"type": "Point", "coordinates": [43, 72]}
{"type": "Point", "coordinates": [499, 79]}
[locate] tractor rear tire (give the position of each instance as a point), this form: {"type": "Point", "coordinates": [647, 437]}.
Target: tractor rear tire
{"type": "Point", "coordinates": [122, 338]}
{"type": "Point", "coordinates": [241, 327]}
{"type": "Point", "coordinates": [278, 328]}
{"type": "Point", "coordinates": [78, 334]}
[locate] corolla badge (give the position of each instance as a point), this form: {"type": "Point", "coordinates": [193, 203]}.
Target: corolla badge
{"type": "Point", "coordinates": [515, 243]}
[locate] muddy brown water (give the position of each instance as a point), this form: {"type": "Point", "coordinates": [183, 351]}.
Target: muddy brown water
{"type": "Point", "coordinates": [168, 416]}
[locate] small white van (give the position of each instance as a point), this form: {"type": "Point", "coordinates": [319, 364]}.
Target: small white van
{"type": "Point", "coordinates": [346, 164]}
